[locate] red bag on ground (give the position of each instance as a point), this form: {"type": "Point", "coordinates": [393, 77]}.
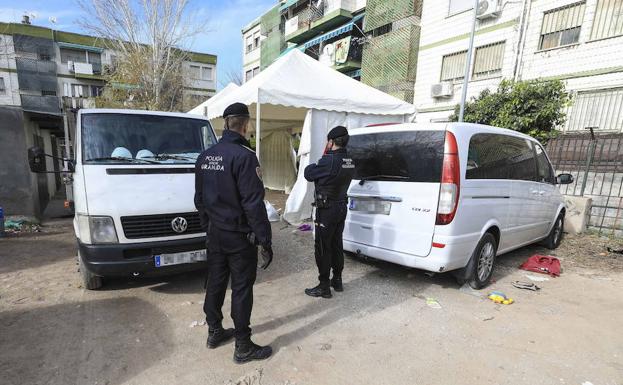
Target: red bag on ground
{"type": "Point", "coordinates": [543, 264]}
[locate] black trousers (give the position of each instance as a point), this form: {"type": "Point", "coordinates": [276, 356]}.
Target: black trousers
{"type": "Point", "coordinates": [329, 250]}
{"type": "Point", "coordinates": [230, 254]}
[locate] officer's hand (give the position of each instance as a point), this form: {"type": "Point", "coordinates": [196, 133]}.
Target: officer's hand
{"type": "Point", "coordinates": [266, 253]}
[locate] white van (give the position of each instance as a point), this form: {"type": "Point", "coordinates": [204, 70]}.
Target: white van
{"type": "Point", "coordinates": [450, 196]}
{"type": "Point", "coordinates": [133, 189]}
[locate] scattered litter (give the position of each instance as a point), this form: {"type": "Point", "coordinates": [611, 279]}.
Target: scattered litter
{"type": "Point", "coordinates": [545, 264]}
{"type": "Point", "coordinates": [587, 383]}
{"type": "Point", "coordinates": [488, 319]}
{"type": "Point", "coordinates": [21, 226]}
{"type": "Point", "coordinates": [525, 285]}
{"type": "Point", "coordinates": [194, 324]}
{"type": "Point", "coordinates": [273, 214]}
{"type": "Point", "coordinates": [186, 303]}
{"type": "Point", "coordinates": [254, 378]}
{"type": "Point", "coordinates": [466, 289]}
{"type": "Point", "coordinates": [326, 347]}
{"type": "Point", "coordinates": [499, 297]}
{"type": "Point", "coordinates": [615, 251]}
{"type": "Point", "coordinates": [536, 278]}
{"type": "Point", "coordinates": [305, 227]}
{"type": "Point", "coordinates": [432, 303]}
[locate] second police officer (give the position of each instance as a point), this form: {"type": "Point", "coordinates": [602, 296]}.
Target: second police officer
{"type": "Point", "coordinates": [229, 195]}
{"type": "Point", "coordinates": [331, 176]}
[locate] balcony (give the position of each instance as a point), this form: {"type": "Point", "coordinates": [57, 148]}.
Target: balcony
{"type": "Point", "coordinates": [85, 70]}
{"type": "Point", "coordinates": [305, 19]}
{"type": "Point", "coordinates": [41, 104]}
{"type": "Point", "coordinates": [78, 103]}
{"type": "Point", "coordinates": [35, 66]}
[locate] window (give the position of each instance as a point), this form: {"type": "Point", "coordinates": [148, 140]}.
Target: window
{"type": "Point", "coordinates": [608, 19]}
{"type": "Point", "coordinates": [249, 41]}
{"type": "Point", "coordinates": [562, 26]}
{"type": "Point", "coordinates": [206, 73]}
{"type": "Point", "coordinates": [545, 171]}
{"type": "Point", "coordinates": [453, 66]}
{"type": "Point", "coordinates": [2, 87]}
{"type": "Point", "coordinates": [48, 93]}
{"type": "Point", "coordinates": [458, 6]}
{"type": "Point", "coordinates": [96, 91]}
{"type": "Point", "coordinates": [602, 109]}
{"type": "Point", "coordinates": [492, 156]}
{"type": "Point", "coordinates": [382, 30]}
{"type": "Point", "coordinates": [195, 72]}
{"type": "Point", "coordinates": [488, 61]}
{"type": "Point", "coordinates": [256, 39]}
{"type": "Point", "coordinates": [256, 71]}
{"type": "Point", "coordinates": [94, 57]}
{"type": "Point", "coordinates": [73, 55]}
{"type": "Point", "coordinates": [248, 75]}
{"type": "Point", "coordinates": [413, 156]}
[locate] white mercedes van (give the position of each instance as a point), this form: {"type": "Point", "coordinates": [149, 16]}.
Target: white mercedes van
{"type": "Point", "coordinates": [133, 189]}
{"type": "Point", "coordinates": [450, 196]}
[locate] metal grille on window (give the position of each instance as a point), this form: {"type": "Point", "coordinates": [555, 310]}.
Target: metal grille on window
{"type": "Point", "coordinates": [602, 110]}
{"type": "Point", "coordinates": [489, 59]}
{"type": "Point", "coordinates": [453, 66]}
{"type": "Point", "coordinates": [195, 72]}
{"type": "Point", "coordinates": [608, 19]}
{"type": "Point", "coordinates": [562, 26]}
{"type": "Point", "coordinates": [2, 86]}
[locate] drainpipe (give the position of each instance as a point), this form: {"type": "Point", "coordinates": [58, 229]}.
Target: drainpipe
{"type": "Point", "coordinates": [521, 44]}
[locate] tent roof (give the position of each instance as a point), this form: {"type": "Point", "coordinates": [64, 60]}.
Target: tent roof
{"type": "Point", "coordinates": [297, 80]}
{"type": "Point", "coordinates": [222, 93]}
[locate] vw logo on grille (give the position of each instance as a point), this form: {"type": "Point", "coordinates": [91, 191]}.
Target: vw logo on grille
{"type": "Point", "coordinates": [179, 224]}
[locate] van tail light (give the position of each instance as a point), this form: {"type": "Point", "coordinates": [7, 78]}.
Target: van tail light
{"type": "Point", "coordinates": [450, 182]}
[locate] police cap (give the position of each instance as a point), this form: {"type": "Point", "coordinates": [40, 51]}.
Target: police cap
{"type": "Point", "coordinates": [236, 109]}
{"type": "Point", "coordinates": [337, 132]}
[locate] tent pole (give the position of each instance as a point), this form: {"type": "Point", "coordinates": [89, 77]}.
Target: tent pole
{"type": "Point", "coordinates": [257, 126]}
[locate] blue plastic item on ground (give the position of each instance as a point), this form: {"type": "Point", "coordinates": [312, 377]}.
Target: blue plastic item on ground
{"type": "Point", "coordinates": [1, 222]}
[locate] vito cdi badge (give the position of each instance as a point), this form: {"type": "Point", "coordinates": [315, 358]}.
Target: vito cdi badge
{"type": "Point", "coordinates": [450, 196]}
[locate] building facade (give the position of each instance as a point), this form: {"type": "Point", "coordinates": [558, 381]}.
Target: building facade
{"type": "Point", "coordinates": [45, 77]}
{"type": "Point", "coordinates": [251, 50]}
{"type": "Point", "coordinates": [375, 41]}
{"type": "Point", "coordinates": [575, 41]}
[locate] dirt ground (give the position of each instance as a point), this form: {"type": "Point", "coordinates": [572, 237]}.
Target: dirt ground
{"type": "Point", "coordinates": [379, 331]}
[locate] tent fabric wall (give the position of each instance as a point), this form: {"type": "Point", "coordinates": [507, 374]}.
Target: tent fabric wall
{"type": "Point", "coordinates": [278, 171]}
{"type": "Point", "coordinates": [313, 141]}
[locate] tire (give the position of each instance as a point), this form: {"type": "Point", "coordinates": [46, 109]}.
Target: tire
{"type": "Point", "coordinates": [480, 268]}
{"type": "Point", "coordinates": [554, 238]}
{"type": "Point", "coordinates": [89, 281]}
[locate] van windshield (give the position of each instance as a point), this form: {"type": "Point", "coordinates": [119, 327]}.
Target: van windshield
{"type": "Point", "coordinates": [143, 139]}
{"type": "Point", "coordinates": [409, 156]}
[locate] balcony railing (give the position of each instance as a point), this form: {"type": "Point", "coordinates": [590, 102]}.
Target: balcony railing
{"type": "Point", "coordinates": [309, 19]}
{"type": "Point", "coordinates": [36, 66]}
{"type": "Point", "coordinates": [43, 104]}
{"type": "Point", "coordinates": [78, 103]}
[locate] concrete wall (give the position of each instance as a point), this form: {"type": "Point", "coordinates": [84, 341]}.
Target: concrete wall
{"type": "Point", "coordinates": [18, 193]}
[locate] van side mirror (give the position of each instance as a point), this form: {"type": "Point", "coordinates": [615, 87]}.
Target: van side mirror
{"type": "Point", "coordinates": [36, 159]}
{"type": "Point", "coordinates": [564, 179]}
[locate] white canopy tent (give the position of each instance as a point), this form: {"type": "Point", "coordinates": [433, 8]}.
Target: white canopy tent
{"type": "Point", "coordinates": [299, 92]}
{"type": "Point", "coordinates": [202, 108]}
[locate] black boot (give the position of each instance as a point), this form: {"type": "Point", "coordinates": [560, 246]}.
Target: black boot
{"type": "Point", "coordinates": [247, 351]}
{"type": "Point", "coordinates": [321, 290]}
{"type": "Point", "coordinates": [336, 283]}
{"type": "Point", "coordinates": [217, 337]}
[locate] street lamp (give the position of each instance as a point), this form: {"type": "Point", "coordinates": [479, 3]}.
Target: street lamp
{"type": "Point", "coordinates": [468, 61]}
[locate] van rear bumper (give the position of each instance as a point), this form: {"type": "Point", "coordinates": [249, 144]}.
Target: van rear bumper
{"type": "Point", "coordinates": [121, 260]}
{"type": "Point", "coordinates": [451, 257]}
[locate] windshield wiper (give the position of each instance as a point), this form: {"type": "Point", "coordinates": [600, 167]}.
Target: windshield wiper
{"type": "Point", "coordinates": [121, 158]}
{"type": "Point", "coordinates": [383, 177]}
{"type": "Point", "coordinates": [169, 157]}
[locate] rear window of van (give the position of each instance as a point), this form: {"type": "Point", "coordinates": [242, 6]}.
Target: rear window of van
{"type": "Point", "coordinates": [407, 156]}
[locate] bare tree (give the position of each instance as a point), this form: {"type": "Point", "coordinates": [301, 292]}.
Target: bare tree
{"type": "Point", "coordinates": [232, 77]}
{"type": "Point", "coordinates": [149, 38]}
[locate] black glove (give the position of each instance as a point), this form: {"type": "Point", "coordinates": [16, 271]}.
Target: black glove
{"type": "Point", "coordinates": [266, 254]}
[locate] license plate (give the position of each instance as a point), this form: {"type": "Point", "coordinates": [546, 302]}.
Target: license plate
{"type": "Point", "coordinates": [180, 258]}
{"type": "Point", "coordinates": [370, 206]}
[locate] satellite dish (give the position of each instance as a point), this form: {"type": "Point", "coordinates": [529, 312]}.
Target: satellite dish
{"type": "Point", "coordinates": [482, 7]}
{"type": "Point", "coordinates": [52, 19]}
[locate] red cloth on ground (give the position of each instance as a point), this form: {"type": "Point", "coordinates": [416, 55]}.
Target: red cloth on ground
{"type": "Point", "coordinates": [543, 264]}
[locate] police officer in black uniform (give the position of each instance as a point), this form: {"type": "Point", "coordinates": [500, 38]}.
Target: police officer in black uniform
{"type": "Point", "coordinates": [331, 176]}
{"type": "Point", "coordinates": [229, 195]}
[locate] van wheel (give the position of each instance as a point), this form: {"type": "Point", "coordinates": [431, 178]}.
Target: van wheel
{"type": "Point", "coordinates": [89, 281]}
{"type": "Point", "coordinates": [481, 265]}
{"type": "Point", "coordinates": [555, 236]}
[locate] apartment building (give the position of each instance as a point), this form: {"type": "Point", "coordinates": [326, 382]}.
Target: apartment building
{"type": "Point", "coordinates": [251, 50]}
{"type": "Point", "coordinates": [578, 42]}
{"type": "Point", "coordinates": [45, 76]}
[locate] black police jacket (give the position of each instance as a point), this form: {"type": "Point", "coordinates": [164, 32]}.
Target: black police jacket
{"type": "Point", "coordinates": [229, 192]}
{"type": "Point", "coordinates": [332, 175]}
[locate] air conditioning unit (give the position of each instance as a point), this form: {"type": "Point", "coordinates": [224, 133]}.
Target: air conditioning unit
{"type": "Point", "coordinates": [442, 90]}
{"type": "Point", "coordinates": [70, 66]}
{"type": "Point", "coordinates": [488, 9]}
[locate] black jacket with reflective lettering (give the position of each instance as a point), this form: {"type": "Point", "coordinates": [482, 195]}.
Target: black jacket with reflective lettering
{"type": "Point", "coordinates": [229, 193]}
{"type": "Point", "coordinates": [332, 175]}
